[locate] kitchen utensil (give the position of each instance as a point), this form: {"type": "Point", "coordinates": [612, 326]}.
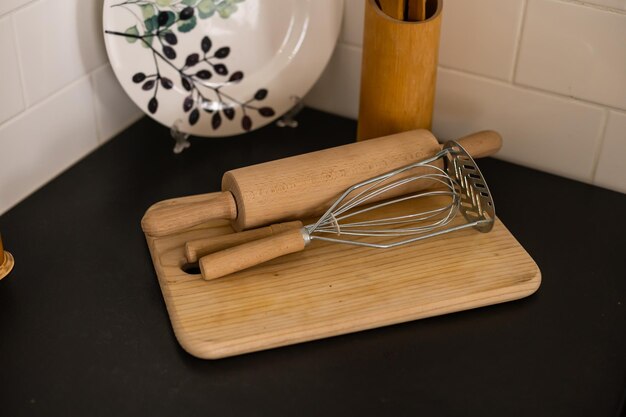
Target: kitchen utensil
{"type": "Point", "coordinates": [304, 185]}
{"type": "Point", "coordinates": [219, 67]}
{"type": "Point", "coordinates": [331, 289]}
{"type": "Point", "coordinates": [398, 72]}
{"type": "Point", "coordinates": [459, 186]}
{"type": "Point", "coordinates": [196, 249]}
{"type": "Point", "coordinates": [6, 261]}
{"type": "Point", "coordinates": [392, 8]}
{"type": "Point", "coordinates": [416, 10]}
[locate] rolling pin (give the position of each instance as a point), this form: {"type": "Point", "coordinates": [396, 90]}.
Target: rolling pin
{"type": "Point", "coordinates": [303, 185]}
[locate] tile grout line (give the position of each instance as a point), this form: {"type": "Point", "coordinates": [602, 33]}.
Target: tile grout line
{"type": "Point", "coordinates": [52, 96]}
{"type": "Point", "coordinates": [20, 67]}
{"type": "Point", "coordinates": [120, 128]}
{"type": "Point", "coordinates": [96, 119]}
{"type": "Point", "coordinates": [570, 98]}
{"type": "Point", "coordinates": [18, 8]}
{"type": "Point", "coordinates": [518, 41]}
{"type": "Point", "coordinates": [595, 104]}
{"type": "Point", "coordinates": [594, 6]}
{"type": "Point", "coordinates": [349, 45]}
{"type": "Point", "coordinates": [511, 81]}
{"type": "Point", "coordinates": [474, 74]}
{"type": "Point", "coordinates": [102, 139]}
{"type": "Point", "coordinates": [599, 145]}
{"type": "Point", "coordinates": [99, 129]}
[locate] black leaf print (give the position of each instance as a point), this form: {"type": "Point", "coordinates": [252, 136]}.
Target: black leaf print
{"type": "Point", "coordinates": [266, 111]}
{"type": "Point", "coordinates": [163, 18]}
{"type": "Point", "coordinates": [229, 112]}
{"type": "Point", "coordinates": [204, 74]}
{"type": "Point", "coordinates": [236, 77]}
{"type": "Point", "coordinates": [148, 85]}
{"type": "Point", "coordinates": [166, 83]}
{"type": "Point", "coordinates": [194, 116]}
{"type": "Point", "coordinates": [222, 52]}
{"type": "Point", "coordinates": [186, 13]}
{"type": "Point", "coordinates": [186, 83]}
{"type": "Point", "coordinates": [216, 120]}
{"type": "Point", "coordinates": [261, 94]}
{"type": "Point", "coordinates": [170, 38]}
{"type": "Point", "coordinates": [139, 77]}
{"type": "Point", "coordinates": [192, 60]}
{"type": "Point", "coordinates": [153, 105]}
{"type": "Point", "coordinates": [220, 69]}
{"type": "Point", "coordinates": [188, 103]}
{"type": "Point", "coordinates": [172, 20]}
{"type": "Point", "coordinates": [169, 52]}
{"type": "Point", "coordinates": [206, 44]}
{"type": "Point", "coordinates": [246, 123]}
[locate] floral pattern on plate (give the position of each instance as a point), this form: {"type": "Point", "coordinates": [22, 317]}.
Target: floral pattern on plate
{"type": "Point", "coordinates": [219, 67]}
{"type": "Point", "coordinates": [160, 20]}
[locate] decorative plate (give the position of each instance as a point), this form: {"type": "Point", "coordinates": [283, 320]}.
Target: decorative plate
{"type": "Point", "coordinates": [219, 67]}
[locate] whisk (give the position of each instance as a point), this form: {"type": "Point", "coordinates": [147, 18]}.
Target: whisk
{"type": "Point", "coordinates": [379, 212]}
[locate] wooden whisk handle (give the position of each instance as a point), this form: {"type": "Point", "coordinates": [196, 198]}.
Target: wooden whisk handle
{"type": "Point", "coordinates": [238, 258]}
{"type": "Point", "coordinates": [196, 249]}
{"type": "Point", "coordinates": [168, 219]}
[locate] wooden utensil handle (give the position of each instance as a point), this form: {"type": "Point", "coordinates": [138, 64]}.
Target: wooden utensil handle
{"type": "Point", "coordinates": [392, 8]}
{"type": "Point", "coordinates": [238, 258]}
{"type": "Point", "coordinates": [196, 249]}
{"type": "Point", "coordinates": [481, 144]}
{"type": "Point", "coordinates": [172, 218]}
{"type": "Point", "coordinates": [416, 10]}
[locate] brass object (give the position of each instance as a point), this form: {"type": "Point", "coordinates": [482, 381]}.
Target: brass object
{"type": "Point", "coordinates": [6, 261]}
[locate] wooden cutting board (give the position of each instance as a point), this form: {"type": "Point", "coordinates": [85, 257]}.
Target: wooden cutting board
{"type": "Point", "coordinates": [332, 289]}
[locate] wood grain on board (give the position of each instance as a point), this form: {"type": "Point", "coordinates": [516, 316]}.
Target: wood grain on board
{"type": "Point", "coordinates": [332, 289]}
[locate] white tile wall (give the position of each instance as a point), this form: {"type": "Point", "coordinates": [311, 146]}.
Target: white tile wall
{"type": "Point", "coordinates": [38, 144]}
{"type": "Point", "coordinates": [341, 75]}
{"type": "Point", "coordinates": [11, 97]}
{"type": "Point", "coordinates": [58, 97]}
{"type": "Point", "coordinates": [574, 50]}
{"type": "Point", "coordinates": [614, 4]}
{"type": "Point", "coordinates": [353, 16]}
{"type": "Point", "coordinates": [114, 111]}
{"type": "Point", "coordinates": [474, 48]}
{"type": "Point", "coordinates": [8, 5]}
{"type": "Point", "coordinates": [59, 41]}
{"type": "Point", "coordinates": [549, 74]}
{"type": "Point", "coordinates": [612, 165]}
{"type": "Point", "coordinates": [542, 131]}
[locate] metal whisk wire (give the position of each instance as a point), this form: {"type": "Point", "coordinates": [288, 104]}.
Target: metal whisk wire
{"type": "Point", "coordinates": [380, 213]}
{"type": "Point", "coordinates": [333, 223]}
{"type": "Point", "coordinates": [459, 180]}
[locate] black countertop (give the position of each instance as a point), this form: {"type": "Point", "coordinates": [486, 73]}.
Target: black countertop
{"type": "Point", "coordinates": [84, 330]}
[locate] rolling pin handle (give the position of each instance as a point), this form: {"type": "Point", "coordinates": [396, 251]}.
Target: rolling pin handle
{"type": "Point", "coordinates": [164, 220]}
{"type": "Point", "coordinates": [481, 144]}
